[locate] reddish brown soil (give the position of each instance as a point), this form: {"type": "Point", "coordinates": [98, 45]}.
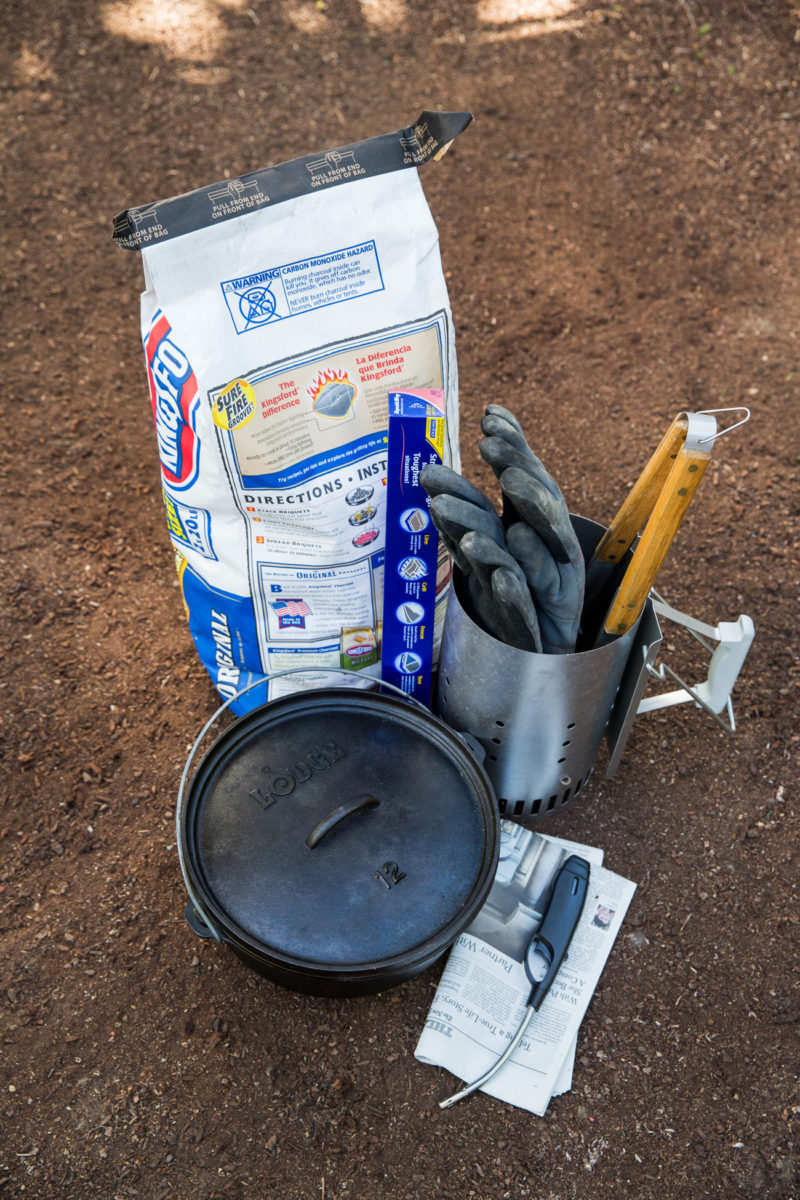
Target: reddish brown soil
{"type": "Point", "coordinates": [619, 229]}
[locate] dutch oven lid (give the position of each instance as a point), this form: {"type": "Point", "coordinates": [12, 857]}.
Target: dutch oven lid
{"type": "Point", "coordinates": [338, 829]}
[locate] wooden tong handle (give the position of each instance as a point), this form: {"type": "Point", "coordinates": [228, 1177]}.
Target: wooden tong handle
{"type": "Point", "coordinates": [642, 497]}
{"type": "Point", "coordinates": [668, 512]}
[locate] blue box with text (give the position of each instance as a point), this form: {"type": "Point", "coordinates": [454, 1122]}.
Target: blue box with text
{"type": "Point", "coordinates": [416, 438]}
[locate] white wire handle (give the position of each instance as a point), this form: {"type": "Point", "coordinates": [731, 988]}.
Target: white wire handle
{"type": "Point", "coordinates": [729, 428]}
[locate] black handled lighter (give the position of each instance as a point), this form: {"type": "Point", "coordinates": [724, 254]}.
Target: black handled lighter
{"type": "Point", "coordinates": [544, 955]}
{"type": "Point", "coordinates": [548, 945]}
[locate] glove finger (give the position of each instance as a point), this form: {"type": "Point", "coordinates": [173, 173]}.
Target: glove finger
{"type": "Point", "coordinates": [439, 480]}
{"type": "Point", "coordinates": [560, 613]}
{"type": "Point", "coordinates": [538, 508]}
{"type": "Point", "coordinates": [553, 582]}
{"type": "Point", "coordinates": [557, 588]}
{"type": "Point", "coordinates": [500, 410]}
{"type": "Point", "coordinates": [532, 553]}
{"type": "Point", "coordinates": [500, 455]}
{"type": "Point", "coordinates": [495, 426]}
{"type": "Point", "coordinates": [484, 610]}
{"type": "Point", "coordinates": [455, 517]}
{"type": "Point", "coordinates": [484, 556]}
{"type": "Point", "coordinates": [452, 549]}
{"type": "Point", "coordinates": [516, 607]}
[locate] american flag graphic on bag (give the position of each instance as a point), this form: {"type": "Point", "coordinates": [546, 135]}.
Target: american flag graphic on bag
{"type": "Point", "coordinates": [290, 608]}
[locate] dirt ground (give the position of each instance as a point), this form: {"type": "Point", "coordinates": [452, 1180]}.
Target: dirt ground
{"type": "Point", "coordinates": [619, 231]}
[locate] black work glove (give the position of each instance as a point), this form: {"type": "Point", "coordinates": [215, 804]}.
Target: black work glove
{"type": "Point", "coordinates": [537, 507]}
{"type": "Point", "coordinates": [499, 593]}
{"type": "Point", "coordinates": [499, 423]}
{"type": "Point", "coordinates": [439, 480]}
{"type": "Point", "coordinates": [513, 600]}
{"type": "Point", "coordinates": [543, 540]}
{"type": "Point", "coordinates": [454, 517]}
{"type": "Point", "coordinates": [557, 588]}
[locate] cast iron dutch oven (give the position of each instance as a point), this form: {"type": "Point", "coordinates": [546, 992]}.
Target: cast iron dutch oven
{"type": "Point", "coordinates": [338, 840]}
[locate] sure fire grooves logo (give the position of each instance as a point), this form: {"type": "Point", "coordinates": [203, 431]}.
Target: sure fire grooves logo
{"type": "Point", "coordinates": [175, 399]}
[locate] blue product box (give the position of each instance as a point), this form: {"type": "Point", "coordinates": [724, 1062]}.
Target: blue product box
{"type": "Point", "coordinates": [416, 438]}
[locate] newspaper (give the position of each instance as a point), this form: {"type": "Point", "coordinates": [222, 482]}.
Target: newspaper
{"type": "Point", "coordinates": [482, 995]}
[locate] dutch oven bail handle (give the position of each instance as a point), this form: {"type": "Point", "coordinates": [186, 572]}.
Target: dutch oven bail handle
{"type": "Point", "coordinates": [199, 919]}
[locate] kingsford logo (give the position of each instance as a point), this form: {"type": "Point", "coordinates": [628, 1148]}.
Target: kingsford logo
{"type": "Point", "coordinates": [359, 651]}
{"type": "Point", "coordinates": [283, 781]}
{"type": "Point", "coordinates": [174, 395]}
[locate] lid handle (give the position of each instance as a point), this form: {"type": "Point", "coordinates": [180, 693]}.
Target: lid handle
{"type": "Point", "coordinates": [365, 800]}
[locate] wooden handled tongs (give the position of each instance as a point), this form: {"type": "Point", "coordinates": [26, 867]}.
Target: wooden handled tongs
{"type": "Point", "coordinates": [660, 497]}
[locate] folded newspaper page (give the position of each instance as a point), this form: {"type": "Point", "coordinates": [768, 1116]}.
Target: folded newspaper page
{"type": "Point", "coordinates": [481, 998]}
